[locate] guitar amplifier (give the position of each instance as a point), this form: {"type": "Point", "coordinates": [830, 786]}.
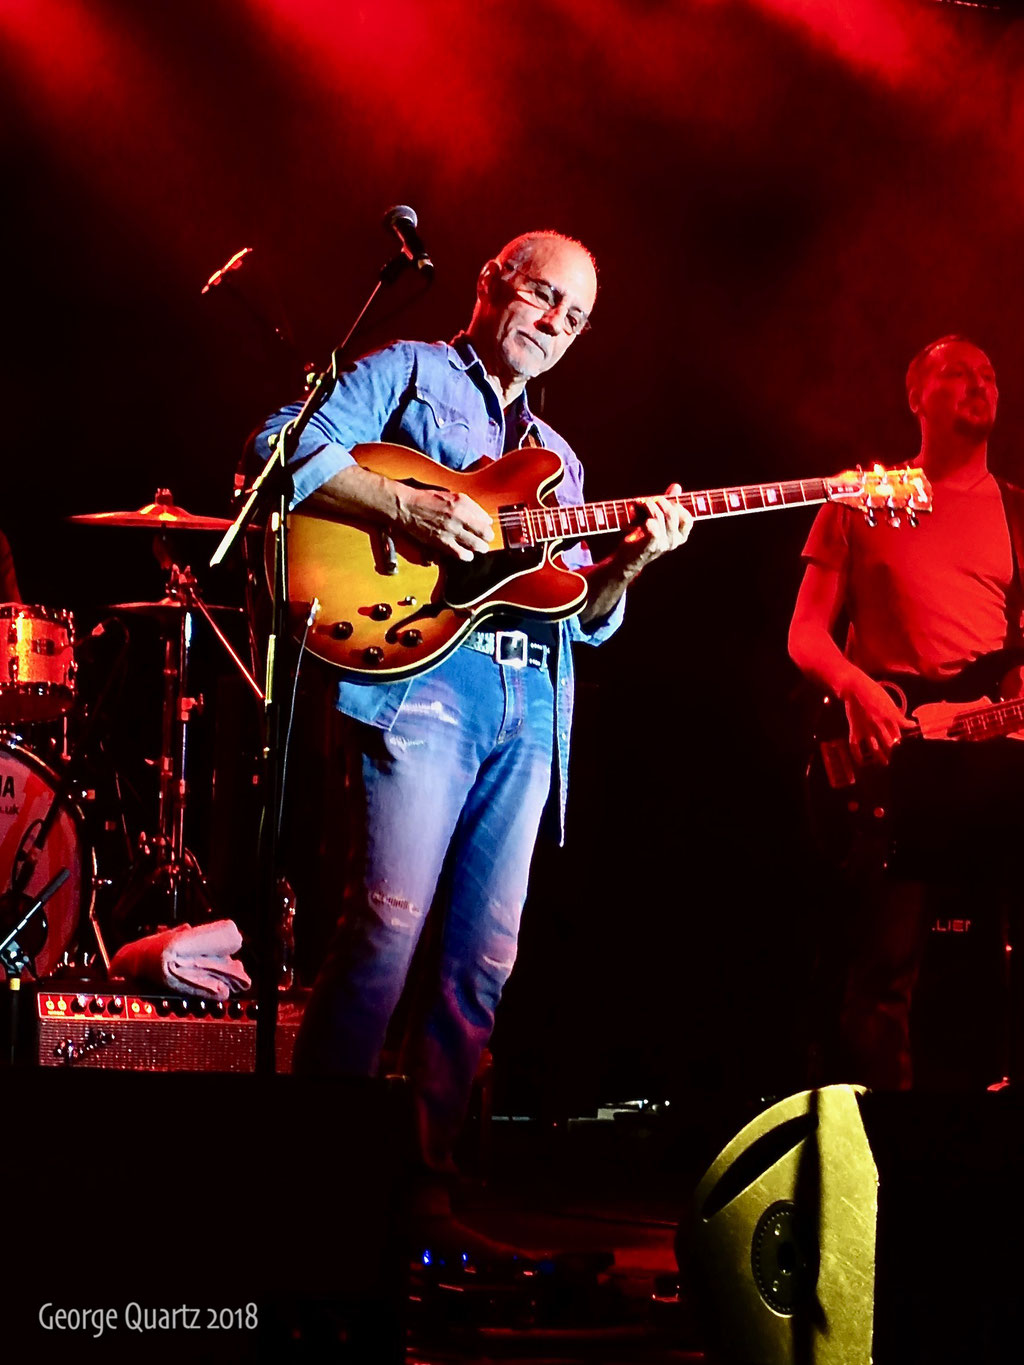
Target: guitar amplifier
{"type": "Point", "coordinates": [102, 1029]}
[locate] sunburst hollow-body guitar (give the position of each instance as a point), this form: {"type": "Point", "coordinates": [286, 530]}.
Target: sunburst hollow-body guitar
{"type": "Point", "coordinates": [388, 610]}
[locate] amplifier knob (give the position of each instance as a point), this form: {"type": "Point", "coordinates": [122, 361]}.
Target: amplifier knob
{"type": "Point", "coordinates": [199, 1009]}
{"type": "Point", "coordinates": [78, 1004]}
{"type": "Point", "coordinates": [180, 1008]}
{"type": "Point", "coordinates": [235, 1009]}
{"type": "Point", "coordinates": [116, 1005]}
{"type": "Point", "coordinates": [252, 1010]}
{"type": "Point", "coordinates": [217, 1009]}
{"type": "Point", "coordinates": [163, 1008]}
{"type": "Point", "coordinates": [96, 1005]}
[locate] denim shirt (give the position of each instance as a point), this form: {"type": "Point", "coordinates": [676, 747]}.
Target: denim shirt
{"type": "Point", "coordinates": [435, 398]}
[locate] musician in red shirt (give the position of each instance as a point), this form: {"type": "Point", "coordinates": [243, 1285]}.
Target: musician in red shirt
{"type": "Point", "coordinates": [921, 606]}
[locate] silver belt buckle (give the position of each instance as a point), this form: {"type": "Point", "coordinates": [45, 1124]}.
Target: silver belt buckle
{"type": "Point", "coordinates": [511, 647]}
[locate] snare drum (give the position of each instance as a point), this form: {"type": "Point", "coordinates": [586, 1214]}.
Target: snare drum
{"type": "Point", "coordinates": [27, 788]}
{"type": "Point", "coordinates": [37, 663]}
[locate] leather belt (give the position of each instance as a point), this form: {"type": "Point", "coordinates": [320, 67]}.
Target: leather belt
{"type": "Point", "coordinates": [513, 648]}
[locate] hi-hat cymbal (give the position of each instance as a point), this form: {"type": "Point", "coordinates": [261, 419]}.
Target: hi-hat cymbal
{"type": "Point", "coordinates": [167, 606]}
{"type": "Point", "coordinates": [161, 514]}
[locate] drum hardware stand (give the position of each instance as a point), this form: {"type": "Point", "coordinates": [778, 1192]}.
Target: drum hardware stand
{"type": "Point", "coordinates": [270, 497]}
{"type": "Point", "coordinates": [168, 865]}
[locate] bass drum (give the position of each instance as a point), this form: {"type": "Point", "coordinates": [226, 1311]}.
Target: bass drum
{"type": "Point", "coordinates": [27, 789]}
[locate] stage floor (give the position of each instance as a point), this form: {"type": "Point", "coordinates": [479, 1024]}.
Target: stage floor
{"type": "Point", "coordinates": [599, 1199]}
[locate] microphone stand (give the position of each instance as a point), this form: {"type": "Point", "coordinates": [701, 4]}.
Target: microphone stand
{"type": "Point", "coordinates": [270, 498]}
{"type": "Point", "coordinates": [15, 959]}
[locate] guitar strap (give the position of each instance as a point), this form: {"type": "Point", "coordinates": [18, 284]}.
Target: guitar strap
{"type": "Point", "coordinates": [1013, 507]}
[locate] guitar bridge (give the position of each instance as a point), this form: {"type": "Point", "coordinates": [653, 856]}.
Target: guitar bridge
{"type": "Point", "coordinates": [515, 524]}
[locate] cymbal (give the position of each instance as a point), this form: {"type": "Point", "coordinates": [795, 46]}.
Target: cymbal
{"type": "Point", "coordinates": [167, 606]}
{"type": "Point", "coordinates": [159, 515]}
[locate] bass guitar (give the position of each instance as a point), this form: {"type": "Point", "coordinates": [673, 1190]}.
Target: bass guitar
{"type": "Point", "coordinates": [845, 793]}
{"type": "Point", "coordinates": [388, 610]}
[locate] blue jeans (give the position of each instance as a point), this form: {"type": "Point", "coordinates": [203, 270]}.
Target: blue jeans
{"type": "Point", "coordinates": [450, 797]}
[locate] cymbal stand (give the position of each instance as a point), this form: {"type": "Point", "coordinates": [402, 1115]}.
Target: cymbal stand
{"type": "Point", "coordinates": [174, 870]}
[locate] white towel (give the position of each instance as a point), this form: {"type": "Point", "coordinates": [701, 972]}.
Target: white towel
{"type": "Point", "coordinates": [194, 959]}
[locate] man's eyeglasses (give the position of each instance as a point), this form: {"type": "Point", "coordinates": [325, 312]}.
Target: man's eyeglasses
{"type": "Point", "coordinates": [540, 294]}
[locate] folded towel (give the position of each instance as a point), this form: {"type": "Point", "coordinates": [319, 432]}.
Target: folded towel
{"type": "Point", "coordinates": [195, 959]}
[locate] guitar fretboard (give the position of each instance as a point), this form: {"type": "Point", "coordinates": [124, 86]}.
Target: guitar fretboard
{"type": "Point", "coordinates": [989, 722]}
{"type": "Point", "coordinates": [533, 525]}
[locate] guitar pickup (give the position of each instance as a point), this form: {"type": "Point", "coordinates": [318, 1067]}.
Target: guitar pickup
{"type": "Point", "coordinates": [515, 526]}
{"type": "Point", "coordinates": [838, 763]}
{"type": "Point", "coordinates": [386, 558]}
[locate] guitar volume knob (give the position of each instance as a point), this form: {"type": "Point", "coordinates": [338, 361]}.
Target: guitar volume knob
{"type": "Point", "coordinates": [411, 638]}
{"type": "Point", "coordinates": [341, 630]}
{"type": "Point", "coordinates": [374, 655]}
{"type": "Point", "coordinates": [381, 611]}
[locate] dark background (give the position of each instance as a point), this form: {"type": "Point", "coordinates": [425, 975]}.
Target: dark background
{"type": "Point", "coordinates": [786, 199]}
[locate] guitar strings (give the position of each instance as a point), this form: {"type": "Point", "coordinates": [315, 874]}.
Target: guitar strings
{"type": "Point", "coordinates": [627, 506]}
{"type": "Point", "coordinates": [621, 512]}
{"type": "Point", "coordinates": [967, 721]}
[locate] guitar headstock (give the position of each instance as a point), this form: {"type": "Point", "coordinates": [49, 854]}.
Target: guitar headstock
{"type": "Point", "coordinates": [891, 492]}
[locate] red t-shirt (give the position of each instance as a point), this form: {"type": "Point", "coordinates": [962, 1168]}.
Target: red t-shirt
{"type": "Point", "coordinates": [924, 600]}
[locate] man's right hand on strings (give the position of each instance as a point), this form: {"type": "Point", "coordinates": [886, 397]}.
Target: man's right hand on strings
{"type": "Point", "coordinates": [876, 722]}
{"type": "Point", "coordinates": [451, 523]}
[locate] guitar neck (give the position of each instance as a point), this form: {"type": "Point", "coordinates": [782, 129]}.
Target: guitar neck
{"type": "Point", "coordinates": [620, 514]}
{"type": "Point", "coordinates": [989, 722]}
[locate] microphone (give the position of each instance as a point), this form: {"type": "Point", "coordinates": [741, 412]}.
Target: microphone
{"type": "Point", "coordinates": [402, 221]}
{"type": "Point", "coordinates": [234, 263]}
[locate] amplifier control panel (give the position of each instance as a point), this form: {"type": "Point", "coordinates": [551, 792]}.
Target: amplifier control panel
{"type": "Point", "coordinates": [163, 1032]}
